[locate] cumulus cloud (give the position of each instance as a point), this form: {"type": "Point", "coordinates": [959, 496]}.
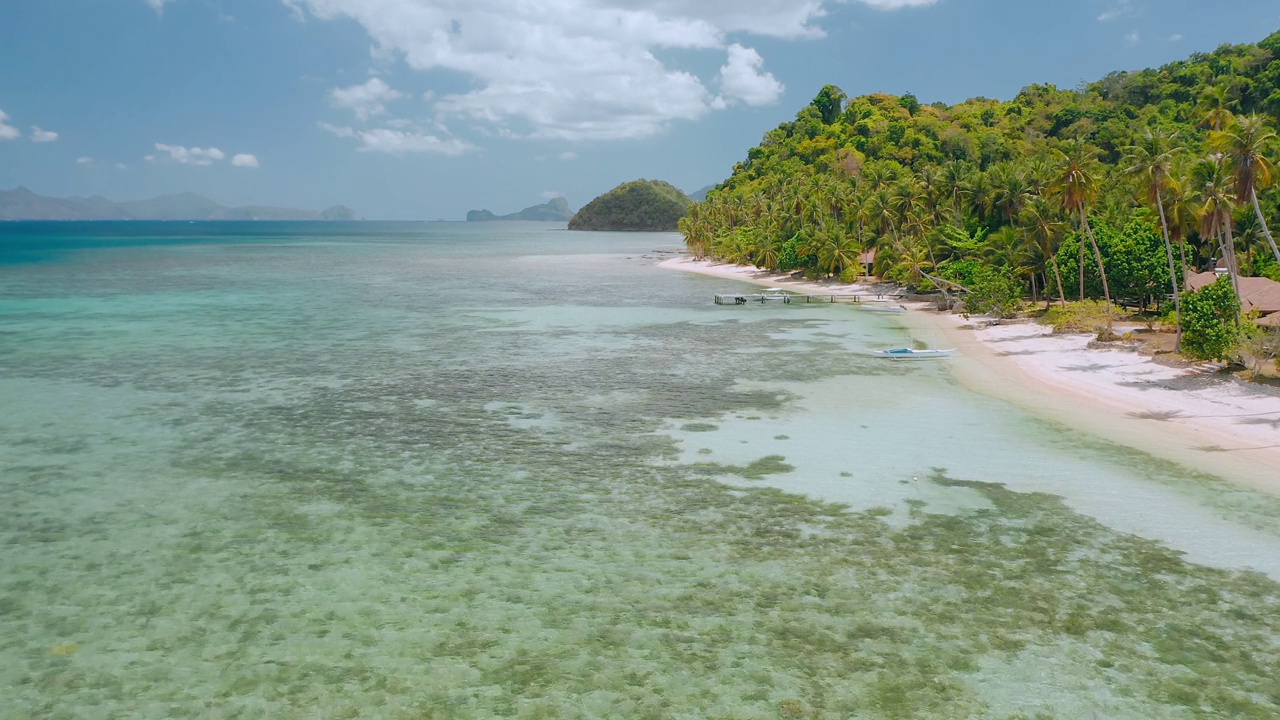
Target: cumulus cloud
{"type": "Point", "coordinates": [247, 160]}
{"type": "Point", "coordinates": [84, 160]}
{"type": "Point", "coordinates": [188, 156]}
{"type": "Point", "coordinates": [570, 69]}
{"type": "Point", "coordinates": [400, 142]}
{"type": "Point", "coordinates": [41, 136]}
{"type": "Point", "coordinates": [741, 78]}
{"type": "Point", "coordinates": [7, 131]}
{"type": "Point", "coordinates": [365, 100]}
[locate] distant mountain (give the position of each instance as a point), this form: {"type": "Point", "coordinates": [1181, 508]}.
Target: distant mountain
{"type": "Point", "coordinates": [636, 205]}
{"type": "Point", "coordinates": [551, 211]}
{"type": "Point", "coordinates": [22, 204]}
{"type": "Point", "coordinates": [701, 194]}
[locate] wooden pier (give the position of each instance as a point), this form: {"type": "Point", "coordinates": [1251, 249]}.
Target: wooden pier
{"type": "Point", "coordinates": [784, 297]}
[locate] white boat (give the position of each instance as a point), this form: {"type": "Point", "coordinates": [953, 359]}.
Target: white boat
{"type": "Point", "coordinates": [910, 354]}
{"type": "Point", "coordinates": [883, 307]}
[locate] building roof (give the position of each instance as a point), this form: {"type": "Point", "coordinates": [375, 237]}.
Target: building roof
{"type": "Point", "coordinates": [1256, 293]}
{"type": "Point", "coordinates": [1272, 320]}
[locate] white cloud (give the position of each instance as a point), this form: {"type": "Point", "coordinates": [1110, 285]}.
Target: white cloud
{"type": "Point", "coordinates": [247, 160]}
{"type": "Point", "coordinates": [7, 132]}
{"type": "Point", "coordinates": [86, 160]}
{"type": "Point", "coordinates": [122, 166]}
{"type": "Point", "coordinates": [897, 4]}
{"type": "Point", "coordinates": [1120, 9]}
{"type": "Point", "coordinates": [42, 136]}
{"type": "Point", "coordinates": [1175, 37]}
{"type": "Point", "coordinates": [1133, 38]}
{"type": "Point", "coordinates": [574, 69]}
{"type": "Point", "coordinates": [189, 156]}
{"type": "Point", "coordinates": [568, 155]}
{"type": "Point", "coordinates": [158, 5]}
{"type": "Point", "coordinates": [551, 194]}
{"type": "Point", "coordinates": [741, 78]}
{"type": "Point", "coordinates": [398, 142]}
{"type": "Point", "coordinates": [365, 100]}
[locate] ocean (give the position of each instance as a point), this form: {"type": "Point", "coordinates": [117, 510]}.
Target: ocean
{"type": "Point", "coordinates": [490, 470]}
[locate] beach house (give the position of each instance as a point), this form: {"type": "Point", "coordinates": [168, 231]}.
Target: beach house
{"type": "Point", "coordinates": [1256, 294]}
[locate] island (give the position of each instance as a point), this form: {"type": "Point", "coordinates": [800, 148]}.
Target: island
{"type": "Point", "coordinates": [555, 210]}
{"type": "Point", "coordinates": [635, 205]}
{"type": "Point", "coordinates": [23, 204]}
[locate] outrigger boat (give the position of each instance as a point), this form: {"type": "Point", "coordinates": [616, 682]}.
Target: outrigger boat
{"type": "Point", "coordinates": [910, 354]}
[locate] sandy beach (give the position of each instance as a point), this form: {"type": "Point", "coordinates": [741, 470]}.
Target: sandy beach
{"type": "Point", "coordinates": [1209, 422]}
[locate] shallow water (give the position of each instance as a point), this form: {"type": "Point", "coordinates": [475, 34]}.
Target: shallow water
{"type": "Point", "coordinates": [445, 470]}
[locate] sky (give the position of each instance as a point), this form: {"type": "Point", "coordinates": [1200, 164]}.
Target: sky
{"type": "Point", "coordinates": [425, 109]}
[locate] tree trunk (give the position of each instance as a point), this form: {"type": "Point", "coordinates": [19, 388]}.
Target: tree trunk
{"type": "Point", "coordinates": [1173, 277]}
{"type": "Point", "coordinates": [1233, 269]}
{"type": "Point", "coordinates": [1265, 230]}
{"type": "Point", "coordinates": [1057, 274]}
{"type": "Point", "coordinates": [1097, 255]}
{"type": "Point", "coordinates": [1082, 262]}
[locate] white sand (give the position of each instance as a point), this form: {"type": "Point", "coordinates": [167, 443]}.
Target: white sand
{"type": "Point", "coordinates": [1220, 427]}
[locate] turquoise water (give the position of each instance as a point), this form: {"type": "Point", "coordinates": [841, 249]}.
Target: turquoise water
{"type": "Point", "coordinates": [502, 470]}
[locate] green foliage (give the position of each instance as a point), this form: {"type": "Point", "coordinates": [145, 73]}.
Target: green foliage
{"type": "Point", "coordinates": [830, 103]}
{"type": "Point", "coordinates": [1134, 258]}
{"type": "Point", "coordinates": [851, 274]}
{"type": "Point", "coordinates": [636, 205]}
{"type": "Point", "coordinates": [1003, 183]}
{"type": "Point", "coordinates": [992, 290]}
{"type": "Point", "coordinates": [1089, 316]}
{"type": "Point", "coordinates": [1258, 346]}
{"type": "Point", "coordinates": [1210, 321]}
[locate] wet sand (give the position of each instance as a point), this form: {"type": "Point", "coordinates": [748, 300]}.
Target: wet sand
{"type": "Point", "coordinates": [1207, 421]}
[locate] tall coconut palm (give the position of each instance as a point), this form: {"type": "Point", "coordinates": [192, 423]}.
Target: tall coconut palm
{"type": "Point", "coordinates": [1215, 192]}
{"type": "Point", "coordinates": [1044, 228]}
{"type": "Point", "coordinates": [1244, 142]}
{"type": "Point", "coordinates": [1075, 184]}
{"type": "Point", "coordinates": [1151, 161]}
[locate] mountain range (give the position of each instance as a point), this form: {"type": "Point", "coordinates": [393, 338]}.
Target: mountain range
{"type": "Point", "coordinates": [23, 204]}
{"type": "Point", "coordinates": [551, 211]}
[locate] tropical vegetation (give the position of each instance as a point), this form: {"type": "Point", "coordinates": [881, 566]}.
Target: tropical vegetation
{"type": "Point", "coordinates": [635, 205]}
{"type": "Point", "coordinates": [1116, 190]}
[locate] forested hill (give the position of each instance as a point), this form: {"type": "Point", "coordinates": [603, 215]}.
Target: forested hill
{"type": "Point", "coordinates": [1002, 186]}
{"type": "Point", "coordinates": [635, 205]}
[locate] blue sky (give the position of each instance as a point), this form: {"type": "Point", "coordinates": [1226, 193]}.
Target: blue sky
{"type": "Point", "coordinates": [424, 109]}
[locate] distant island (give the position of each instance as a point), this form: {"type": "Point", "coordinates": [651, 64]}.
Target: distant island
{"type": "Point", "coordinates": [701, 194]}
{"type": "Point", "coordinates": [23, 204]}
{"type": "Point", "coordinates": [635, 205]}
{"type": "Point", "coordinates": [556, 210]}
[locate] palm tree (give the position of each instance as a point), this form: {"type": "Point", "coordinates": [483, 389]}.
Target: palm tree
{"type": "Point", "coordinates": [1151, 160]}
{"type": "Point", "coordinates": [1044, 228]}
{"type": "Point", "coordinates": [1214, 102]}
{"type": "Point", "coordinates": [1008, 191]}
{"type": "Point", "coordinates": [1244, 142]}
{"type": "Point", "coordinates": [836, 249]}
{"type": "Point", "coordinates": [1076, 185]}
{"type": "Point", "coordinates": [1215, 189]}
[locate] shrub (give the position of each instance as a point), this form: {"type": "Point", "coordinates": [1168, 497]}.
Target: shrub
{"type": "Point", "coordinates": [851, 274]}
{"type": "Point", "coordinates": [1210, 321]}
{"type": "Point", "coordinates": [1091, 316]}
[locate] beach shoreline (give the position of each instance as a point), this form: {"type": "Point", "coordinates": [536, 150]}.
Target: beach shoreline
{"type": "Point", "coordinates": [1215, 425]}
